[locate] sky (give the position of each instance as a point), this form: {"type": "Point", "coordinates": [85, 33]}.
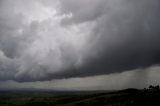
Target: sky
{"type": "Point", "coordinates": [79, 44]}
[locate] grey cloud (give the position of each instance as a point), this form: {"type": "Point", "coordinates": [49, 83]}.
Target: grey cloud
{"type": "Point", "coordinates": [32, 45]}
{"type": "Point", "coordinates": [124, 36]}
{"type": "Point", "coordinates": [83, 11]}
{"type": "Point", "coordinates": [15, 37]}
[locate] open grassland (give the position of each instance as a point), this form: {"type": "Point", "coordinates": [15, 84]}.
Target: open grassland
{"type": "Point", "coordinates": [128, 97]}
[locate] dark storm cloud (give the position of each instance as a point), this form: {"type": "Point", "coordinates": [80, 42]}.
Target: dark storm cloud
{"type": "Point", "coordinates": [126, 35]}
{"type": "Point", "coordinates": [35, 46]}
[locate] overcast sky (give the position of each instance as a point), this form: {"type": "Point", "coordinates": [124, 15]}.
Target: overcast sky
{"type": "Point", "coordinates": [79, 44]}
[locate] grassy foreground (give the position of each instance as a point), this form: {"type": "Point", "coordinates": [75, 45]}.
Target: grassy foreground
{"type": "Point", "coordinates": [128, 97]}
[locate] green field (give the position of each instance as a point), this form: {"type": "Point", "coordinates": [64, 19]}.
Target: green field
{"type": "Point", "coordinates": [128, 97]}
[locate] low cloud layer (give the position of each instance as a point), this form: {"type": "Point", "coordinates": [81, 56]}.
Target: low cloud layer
{"type": "Point", "coordinates": [116, 81]}
{"type": "Point", "coordinates": [66, 38]}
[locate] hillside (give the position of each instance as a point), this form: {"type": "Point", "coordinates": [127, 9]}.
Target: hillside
{"type": "Point", "coordinates": [127, 97]}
